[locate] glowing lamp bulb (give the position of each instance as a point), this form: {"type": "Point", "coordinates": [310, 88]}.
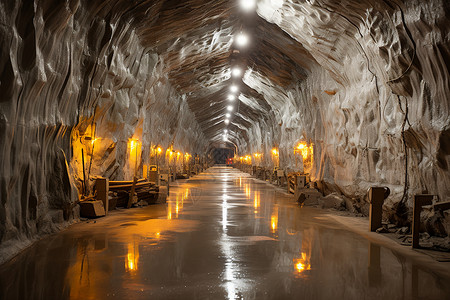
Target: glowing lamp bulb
{"type": "Point", "coordinates": [227, 121]}
{"type": "Point", "coordinates": [225, 130]}
{"type": "Point", "coordinates": [248, 4]}
{"type": "Point", "coordinates": [236, 72]}
{"type": "Point", "coordinates": [231, 97]}
{"type": "Point", "coordinates": [229, 108]}
{"type": "Point", "coordinates": [234, 88]}
{"type": "Point", "coordinates": [242, 40]}
{"type": "Point", "coordinates": [227, 115]}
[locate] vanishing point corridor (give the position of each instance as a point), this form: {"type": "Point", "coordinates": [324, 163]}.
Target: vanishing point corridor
{"type": "Point", "coordinates": [221, 235]}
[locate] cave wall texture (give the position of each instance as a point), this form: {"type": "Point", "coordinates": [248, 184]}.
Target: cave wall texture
{"type": "Point", "coordinates": [365, 82]}
{"type": "Point", "coordinates": [71, 70]}
{"type": "Point", "coordinates": [379, 83]}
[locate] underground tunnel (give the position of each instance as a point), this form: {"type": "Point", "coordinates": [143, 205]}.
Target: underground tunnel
{"type": "Point", "coordinates": [224, 149]}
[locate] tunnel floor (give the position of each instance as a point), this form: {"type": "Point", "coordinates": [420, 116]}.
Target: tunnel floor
{"type": "Point", "coordinates": [222, 235]}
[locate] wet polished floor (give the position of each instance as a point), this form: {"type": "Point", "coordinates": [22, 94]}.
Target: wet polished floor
{"type": "Point", "coordinates": [222, 235]}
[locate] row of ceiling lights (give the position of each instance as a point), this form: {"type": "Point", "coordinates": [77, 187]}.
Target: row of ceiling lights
{"type": "Point", "coordinates": [241, 41]}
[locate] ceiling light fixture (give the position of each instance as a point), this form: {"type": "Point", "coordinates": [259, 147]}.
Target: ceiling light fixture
{"type": "Point", "coordinates": [242, 39]}
{"type": "Point", "coordinates": [227, 115]}
{"type": "Point", "coordinates": [229, 108]}
{"type": "Point", "coordinates": [231, 97]}
{"type": "Point", "coordinates": [236, 72]}
{"type": "Point", "coordinates": [234, 88]}
{"type": "Point", "coordinates": [227, 121]}
{"type": "Point", "coordinates": [248, 4]}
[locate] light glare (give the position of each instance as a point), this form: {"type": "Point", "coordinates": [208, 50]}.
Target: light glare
{"type": "Point", "coordinates": [236, 72]}
{"type": "Point", "coordinates": [230, 108]}
{"type": "Point", "coordinates": [234, 88]}
{"type": "Point", "coordinates": [242, 39]}
{"type": "Point", "coordinates": [248, 4]}
{"type": "Point", "coordinates": [227, 121]}
{"type": "Point", "coordinates": [231, 97]}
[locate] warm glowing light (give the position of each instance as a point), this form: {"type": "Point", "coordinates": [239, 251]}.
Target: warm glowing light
{"type": "Point", "coordinates": [227, 115]}
{"type": "Point", "coordinates": [257, 155]}
{"type": "Point", "coordinates": [134, 152]}
{"type": "Point", "coordinates": [132, 257]}
{"type": "Point", "coordinates": [274, 223]}
{"type": "Point", "coordinates": [248, 4]}
{"type": "Point", "coordinates": [159, 150]}
{"type": "Point", "coordinates": [257, 201]}
{"type": "Point", "coordinates": [234, 88]}
{"type": "Point", "coordinates": [231, 97]}
{"type": "Point", "coordinates": [227, 121]}
{"type": "Point", "coordinates": [229, 108]}
{"type": "Point", "coordinates": [248, 192]}
{"type": "Point", "coordinates": [93, 141]}
{"type": "Point", "coordinates": [236, 72]}
{"type": "Point", "coordinates": [275, 151]}
{"type": "Point", "coordinates": [225, 130]}
{"type": "Point", "coordinates": [301, 264]}
{"type": "Point", "coordinates": [169, 213]}
{"type": "Point", "coordinates": [302, 147]}
{"type": "Point", "coordinates": [242, 39]}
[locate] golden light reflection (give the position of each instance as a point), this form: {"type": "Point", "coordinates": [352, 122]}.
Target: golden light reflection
{"type": "Point", "coordinates": [159, 150]}
{"type": "Point", "coordinates": [275, 151]}
{"type": "Point", "coordinates": [131, 263]}
{"type": "Point", "coordinates": [174, 208]}
{"type": "Point", "coordinates": [274, 220]}
{"type": "Point", "coordinates": [177, 205]}
{"type": "Point", "coordinates": [274, 223]}
{"type": "Point", "coordinates": [302, 264]}
{"type": "Point", "coordinates": [169, 212]}
{"type": "Point", "coordinates": [248, 191]}
{"type": "Point", "coordinates": [257, 201]}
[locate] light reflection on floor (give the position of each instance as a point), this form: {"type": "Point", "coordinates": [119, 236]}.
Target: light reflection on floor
{"type": "Point", "coordinates": [222, 235]}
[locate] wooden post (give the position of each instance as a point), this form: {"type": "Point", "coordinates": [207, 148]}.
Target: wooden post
{"type": "Point", "coordinates": [84, 173]}
{"type": "Point", "coordinates": [102, 187]}
{"type": "Point", "coordinates": [376, 199]}
{"type": "Point", "coordinates": [419, 201]}
{"type": "Point", "coordinates": [133, 187]}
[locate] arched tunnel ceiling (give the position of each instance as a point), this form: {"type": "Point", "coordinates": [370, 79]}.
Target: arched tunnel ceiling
{"type": "Point", "coordinates": [195, 39]}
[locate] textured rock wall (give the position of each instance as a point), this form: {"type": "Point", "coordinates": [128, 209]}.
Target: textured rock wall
{"type": "Point", "coordinates": [381, 84]}
{"type": "Point", "coordinates": [70, 70]}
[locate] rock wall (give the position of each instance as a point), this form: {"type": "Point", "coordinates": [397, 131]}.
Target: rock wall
{"type": "Point", "coordinates": [375, 105]}
{"type": "Point", "coordinates": [72, 70]}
